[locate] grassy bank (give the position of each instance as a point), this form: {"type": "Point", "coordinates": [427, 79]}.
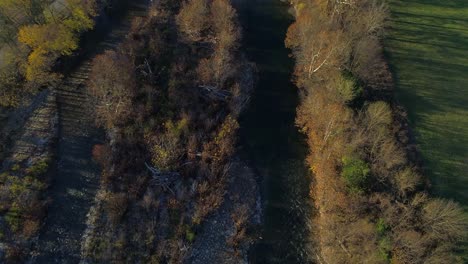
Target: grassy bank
{"type": "Point", "coordinates": [428, 50]}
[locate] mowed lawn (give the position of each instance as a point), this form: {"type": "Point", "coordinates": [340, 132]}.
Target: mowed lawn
{"type": "Point", "coordinates": [427, 45]}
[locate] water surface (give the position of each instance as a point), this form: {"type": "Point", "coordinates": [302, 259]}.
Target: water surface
{"type": "Point", "coordinates": [270, 139]}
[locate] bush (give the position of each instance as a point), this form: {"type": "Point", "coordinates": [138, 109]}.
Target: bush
{"type": "Point", "coordinates": [348, 88]}
{"type": "Point", "coordinates": [100, 153]}
{"type": "Point", "coordinates": [407, 181]}
{"type": "Point", "coordinates": [30, 228]}
{"type": "Point", "coordinates": [355, 173]}
{"type": "Point", "coordinates": [33, 184]}
{"type": "Point", "coordinates": [116, 206]}
{"type": "Point", "coordinates": [385, 247]}
{"type": "Point", "coordinates": [13, 218]}
{"type": "Point", "coordinates": [381, 227]}
{"type": "Point", "coordinates": [39, 168]}
{"type": "Point", "coordinates": [15, 167]}
{"type": "Point", "coordinates": [168, 147]}
{"type": "Point", "coordinates": [189, 235]}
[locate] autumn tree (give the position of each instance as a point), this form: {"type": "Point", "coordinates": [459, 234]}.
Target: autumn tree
{"type": "Point", "coordinates": [370, 197]}
{"type": "Point", "coordinates": [57, 36]}
{"type": "Point", "coordinates": [193, 19]}
{"type": "Point", "coordinates": [225, 30]}
{"type": "Point", "coordinates": [407, 181]}
{"type": "Point", "coordinates": [112, 84]}
{"type": "Point", "coordinates": [9, 90]}
{"type": "Point", "coordinates": [20, 12]}
{"type": "Point", "coordinates": [225, 35]}
{"type": "Point", "coordinates": [14, 15]}
{"type": "Point", "coordinates": [444, 220]}
{"type": "Point", "coordinates": [314, 43]}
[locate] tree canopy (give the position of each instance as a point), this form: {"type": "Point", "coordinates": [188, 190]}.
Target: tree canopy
{"type": "Point", "coordinates": [37, 33]}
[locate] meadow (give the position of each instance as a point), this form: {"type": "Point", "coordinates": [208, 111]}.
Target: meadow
{"type": "Point", "coordinates": [427, 47]}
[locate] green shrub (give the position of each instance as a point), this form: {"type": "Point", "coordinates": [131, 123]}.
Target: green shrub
{"type": "Point", "coordinates": [33, 184]}
{"type": "Point", "coordinates": [189, 235]}
{"type": "Point", "coordinates": [13, 218]}
{"type": "Point", "coordinates": [385, 247]}
{"type": "Point", "coordinates": [355, 173]}
{"type": "Point", "coordinates": [168, 147]}
{"type": "Point", "coordinates": [4, 177]}
{"type": "Point", "coordinates": [17, 188]}
{"type": "Point", "coordinates": [15, 167]}
{"type": "Point", "coordinates": [381, 227]}
{"type": "Point", "coordinates": [348, 87]}
{"type": "Point", "coordinates": [39, 168]}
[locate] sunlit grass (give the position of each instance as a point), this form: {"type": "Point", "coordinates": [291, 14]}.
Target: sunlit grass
{"type": "Point", "coordinates": [427, 44]}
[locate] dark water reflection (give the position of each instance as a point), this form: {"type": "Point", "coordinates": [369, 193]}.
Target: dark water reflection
{"type": "Point", "coordinates": [270, 139]}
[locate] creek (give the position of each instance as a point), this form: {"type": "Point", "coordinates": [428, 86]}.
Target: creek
{"type": "Point", "coordinates": [270, 141]}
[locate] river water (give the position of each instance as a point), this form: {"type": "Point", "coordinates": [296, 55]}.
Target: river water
{"type": "Point", "coordinates": [270, 140]}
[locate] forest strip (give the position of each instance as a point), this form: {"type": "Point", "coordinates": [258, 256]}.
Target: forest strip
{"type": "Point", "coordinates": [371, 197]}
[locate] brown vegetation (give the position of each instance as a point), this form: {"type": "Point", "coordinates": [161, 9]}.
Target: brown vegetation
{"type": "Point", "coordinates": [24, 179]}
{"type": "Point", "coordinates": [169, 98]}
{"type": "Point", "coordinates": [111, 85]}
{"type": "Point", "coordinates": [371, 201]}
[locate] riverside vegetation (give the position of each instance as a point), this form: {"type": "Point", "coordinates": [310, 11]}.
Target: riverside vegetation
{"type": "Point", "coordinates": [169, 98]}
{"type": "Point", "coordinates": [371, 199]}
{"type": "Point", "coordinates": [34, 35]}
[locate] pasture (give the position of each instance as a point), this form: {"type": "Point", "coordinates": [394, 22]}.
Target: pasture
{"type": "Point", "coordinates": [427, 47]}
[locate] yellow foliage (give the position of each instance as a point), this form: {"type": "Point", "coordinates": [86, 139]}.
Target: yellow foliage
{"type": "Point", "coordinates": [32, 35]}
{"type": "Point", "coordinates": [55, 38]}
{"type": "Point", "coordinates": [50, 38]}
{"type": "Point", "coordinates": [81, 16]}
{"type": "Point", "coordinates": [37, 65]}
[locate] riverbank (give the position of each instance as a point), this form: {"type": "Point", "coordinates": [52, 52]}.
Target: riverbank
{"type": "Point", "coordinates": [24, 178]}
{"type": "Point", "coordinates": [370, 195]}
{"type": "Point", "coordinates": [170, 182]}
{"type": "Point", "coordinates": [76, 174]}
{"type": "Point", "coordinates": [50, 136]}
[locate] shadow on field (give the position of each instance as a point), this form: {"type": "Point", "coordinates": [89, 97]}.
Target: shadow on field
{"type": "Point", "coordinates": [427, 46]}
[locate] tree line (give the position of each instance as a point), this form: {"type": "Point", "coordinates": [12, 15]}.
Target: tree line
{"type": "Point", "coordinates": [169, 98]}
{"type": "Point", "coordinates": [372, 199]}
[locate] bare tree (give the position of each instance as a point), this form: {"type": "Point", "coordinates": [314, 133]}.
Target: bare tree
{"type": "Point", "coordinates": [112, 84]}
{"type": "Point", "coordinates": [444, 220]}
{"type": "Point", "coordinates": [193, 19]}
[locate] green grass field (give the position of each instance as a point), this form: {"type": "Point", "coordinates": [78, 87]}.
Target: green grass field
{"type": "Point", "coordinates": [427, 45]}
